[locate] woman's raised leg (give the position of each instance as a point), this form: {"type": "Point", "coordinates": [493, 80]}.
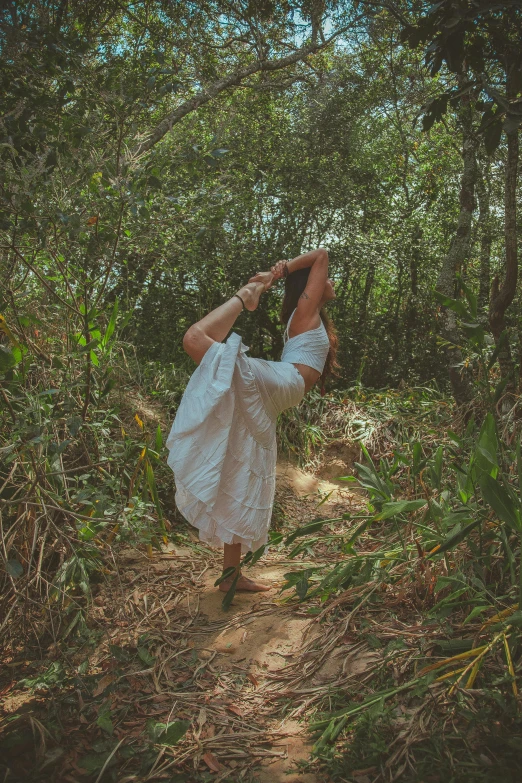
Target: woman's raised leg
{"type": "Point", "coordinates": [215, 326]}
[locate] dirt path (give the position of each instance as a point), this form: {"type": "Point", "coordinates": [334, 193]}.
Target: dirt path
{"type": "Point", "coordinates": [250, 649]}
{"type": "Point", "coordinates": [242, 680]}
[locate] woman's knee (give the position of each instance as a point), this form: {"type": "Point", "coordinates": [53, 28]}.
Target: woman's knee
{"type": "Point", "coordinates": [196, 342]}
{"type": "Point", "coordinates": [193, 339]}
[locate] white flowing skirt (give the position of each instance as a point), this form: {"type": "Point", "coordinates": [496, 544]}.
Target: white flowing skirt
{"type": "Point", "coordinates": [223, 443]}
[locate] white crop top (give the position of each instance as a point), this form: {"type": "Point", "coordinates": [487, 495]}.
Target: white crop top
{"type": "Point", "coordinates": [309, 348]}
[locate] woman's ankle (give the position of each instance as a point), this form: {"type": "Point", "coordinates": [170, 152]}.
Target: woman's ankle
{"type": "Point", "coordinates": [250, 294]}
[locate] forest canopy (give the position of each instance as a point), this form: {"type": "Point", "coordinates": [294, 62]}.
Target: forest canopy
{"type": "Point", "coordinates": [157, 154]}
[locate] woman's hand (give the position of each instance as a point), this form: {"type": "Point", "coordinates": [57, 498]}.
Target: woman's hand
{"type": "Point", "coordinates": [278, 270]}
{"type": "Point", "coordinates": [267, 278]}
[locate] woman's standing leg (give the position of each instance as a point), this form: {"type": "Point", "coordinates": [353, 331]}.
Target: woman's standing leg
{"type": "Point", "coordinates": [232, 558]}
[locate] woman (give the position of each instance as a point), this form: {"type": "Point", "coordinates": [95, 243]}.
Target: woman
{"type": "Point", "coordinates": [223, 440]}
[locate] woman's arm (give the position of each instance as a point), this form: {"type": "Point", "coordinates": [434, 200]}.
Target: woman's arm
{"type": "Point", "coordinates": [313, 258]}
{"type": "Point", "coordinates": [310, 300]}
{"type": "Point", "coordinates": [317, 259]}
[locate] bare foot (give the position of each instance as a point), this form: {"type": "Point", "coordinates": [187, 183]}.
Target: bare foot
{"type": "Point", "coordinates": [244, 585]}
{"type": "Point", "coordinates": [250, 294]}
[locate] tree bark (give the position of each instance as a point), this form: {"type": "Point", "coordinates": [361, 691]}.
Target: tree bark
{"type": "Point", "coordinates": [460, 378]}
{"type": "Point", "coordinates": [411, 308]}
{"type": "Point", "coordinates": [503, 295]}
{"type": "Point", "coordinates": [486, 237]}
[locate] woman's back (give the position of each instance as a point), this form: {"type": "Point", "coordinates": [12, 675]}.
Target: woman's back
{"type": "Point", "coordinates": [309, 348]}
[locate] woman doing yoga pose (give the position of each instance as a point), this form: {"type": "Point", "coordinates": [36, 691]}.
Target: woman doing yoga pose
{"type": "Point", "coordinates": [223, 441]}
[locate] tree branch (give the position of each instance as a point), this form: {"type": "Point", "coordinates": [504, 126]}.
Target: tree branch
{"type": "Point", "coordinates": [231, 80]}
{"type": "Point", "coordinates": [42, 279]}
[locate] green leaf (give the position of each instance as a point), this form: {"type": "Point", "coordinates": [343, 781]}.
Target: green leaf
{"type": "Point", "coordinates": [111, 383]}
{"type": "Point", "coordinates": [519, 464]}
{"type": "Point", "coordinates": [104, 720]}
{"type": "Point", "coordinates": [499, 389]}
{"type": "Point", "coordinates": [399, 507]}
{"type": "Point", "coordinates": [471, 297]}
{"type": "Point", "coordinates": [74, 424]}
{"type": "Point", "coordinates": [455, 538]}
{"type": "Point", "coordinates": [93, 344]}
{"type": "Point", "coordinates": [311, 527]}
{"type": "Point", "coordinates": [417, 458]}
{"type": "Point", "coordinates": [151, 482]}
{"type": "Point", "coordinates": [486, 454]}
{"type": "Point", "coordinates": [453, 304]}
{"type": "Point", "coordinates": [120, 653]}
{"type": "Point", "coordinates": [498, 498]}
{"type": "Point", "coordinates": [498, 347]}
{"type": "Point", "coordinates": [301, 587]}
{"type": "Point", "coordinates": [167, 733]}
{"type": "Point", "coordinates": [475, 613]}
{"type": "Point", "coordinates": [7, 360]}
{"type": "Point", "coordinates": [357, 532]}
{"type": "Point", "coordinates": [294, 578]}
{"type": "Point", "coordinates": [159, 439]}
{"type": "Point", "coordinates": [14, 568]}
{"type": "Point", "coordinates": [111, 325]}
{"type": "Point", "coordinates": [251, 558]}
{"type": "Point", "coordinates": [492, 136]}
{"type": "Point", "coordinates": [513, 619]}
{"type": "Point", "coordinates": [93, 762]}
{"type": "Point", "coordinates": [225, 575]}
{"type": "Point", "coordinates": [126, 318]}
{"type": "Point", "coordinates": [146, 657]}
{"type": "Point", "coordinates": [370, 479]}
{"type": "Point", "coordinates": [474, 332]}
{"type": "Point", "coordinates": [229, 595]}
{"type": "Point", "coordinates": [436, 470]}
{"type": "Point", "coordinates": [454, 646]}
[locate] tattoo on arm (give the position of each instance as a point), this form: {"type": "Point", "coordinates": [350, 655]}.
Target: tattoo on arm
{"type": "Point", "coordinates": [304, 295]}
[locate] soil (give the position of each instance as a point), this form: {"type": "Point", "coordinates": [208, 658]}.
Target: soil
{"type": "Point", "coordinates": [239, 677]}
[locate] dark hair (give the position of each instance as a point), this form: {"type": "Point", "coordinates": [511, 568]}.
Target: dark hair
{"type": "Point", "coordinates": [295, 284]}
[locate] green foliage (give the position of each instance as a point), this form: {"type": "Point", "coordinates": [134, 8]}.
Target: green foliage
{"type": "Point", "coordinates": [70, 471]}
{"type": "Point", "coordinates": [467, 526]}
{"type": "Point", "coordinates": [478, 41]}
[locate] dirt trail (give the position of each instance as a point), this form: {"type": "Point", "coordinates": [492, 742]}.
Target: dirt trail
{"type": "Point", "coordinates": [259, 637]}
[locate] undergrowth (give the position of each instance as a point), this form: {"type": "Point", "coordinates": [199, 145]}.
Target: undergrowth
{"type": "Point", "coordinates": [434, 565]}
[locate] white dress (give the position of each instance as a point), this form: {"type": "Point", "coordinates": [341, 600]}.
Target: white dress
{"type": "Point", "coordinates": [223, 443]}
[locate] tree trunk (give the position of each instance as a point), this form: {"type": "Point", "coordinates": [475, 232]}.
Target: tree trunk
{"type": "Point", "coordinates": [363, 310]}
{"type": "Point", "coordinates": [486, 236]}
{"type": "Point", "coordinates": [503, 295]}
{"type": "Point", "coordinates": [411, 309]}
{"type": "Point", "coordinates": [460, 378]}
{"type": "Point", "coordinates": [363, 316]}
